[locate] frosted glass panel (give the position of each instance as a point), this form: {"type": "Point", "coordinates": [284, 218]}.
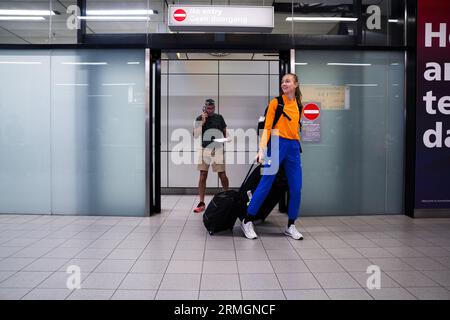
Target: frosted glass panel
{"type": "Point", "coordinates": [98, 132]}
{"type": "Point", "coordinates": [190, 67]}
{"type": "Point", "coordinates": [187, 94]}
{"type": "Point", "coordinates": [357, 166]}
{"type": "Point", "coordinates": [25, 132]}
{"type": "Point", "coordinates": [244, 67]}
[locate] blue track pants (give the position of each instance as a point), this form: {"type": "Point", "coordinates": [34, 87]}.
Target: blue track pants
{"type": "Point", "coordinates": [289, 156]}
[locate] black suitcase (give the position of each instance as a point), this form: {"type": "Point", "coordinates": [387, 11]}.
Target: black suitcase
{"type": "Point", "coordinates": [277, 191]}
{"type": "Point", "coordinates": [223, 210]}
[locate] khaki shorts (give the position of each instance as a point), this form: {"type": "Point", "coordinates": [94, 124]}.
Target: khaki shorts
{"type": "Point", "coordinates": [215, 157]}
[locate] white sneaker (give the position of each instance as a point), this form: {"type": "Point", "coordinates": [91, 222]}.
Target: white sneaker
{"type": "Point", "coordinates": [293, 232]}
{"type": "Point", "coordinates": [248, 230]}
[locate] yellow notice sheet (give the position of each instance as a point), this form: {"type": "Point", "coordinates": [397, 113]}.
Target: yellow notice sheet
{"type": "Point", "coordinates": [329, 97]}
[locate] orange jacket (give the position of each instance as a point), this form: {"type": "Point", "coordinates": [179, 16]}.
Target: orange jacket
{"type": "Point", "coordinates": [286, 129]}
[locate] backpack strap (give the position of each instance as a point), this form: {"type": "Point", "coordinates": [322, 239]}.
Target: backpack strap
{"type": "Point", "coordinates": [279, 111]}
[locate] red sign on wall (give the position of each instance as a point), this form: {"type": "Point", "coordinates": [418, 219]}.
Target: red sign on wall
{"type": "Point", "coordinates": [179, 15]}
{"type": "Point", "coordinates": [311, 111]}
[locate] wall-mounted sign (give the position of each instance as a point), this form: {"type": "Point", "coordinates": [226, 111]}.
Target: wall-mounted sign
{"type": "Point", "coordinates": [311, 122]}
{"type": "Point", "coordinates": [220, 18]}
{"type": "Point", "coordinates": [433, 106]}
{"type": "Point", "coordinates": [329, 97]}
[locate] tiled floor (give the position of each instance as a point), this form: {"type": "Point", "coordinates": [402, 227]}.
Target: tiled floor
{"type": "Point", "coordinates": [171, 256]}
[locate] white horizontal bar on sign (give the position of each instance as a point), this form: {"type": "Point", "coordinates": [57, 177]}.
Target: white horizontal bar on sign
{"type": "Point", "coordinates": [86, 63]}
{"type": "Point", "coordinates": [311, 111]}
{"type": "Point", "coordinates": [349, 64]}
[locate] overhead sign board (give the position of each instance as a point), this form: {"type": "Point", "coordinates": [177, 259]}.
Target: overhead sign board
{"type": "Point", "coordinates": [221, 18]}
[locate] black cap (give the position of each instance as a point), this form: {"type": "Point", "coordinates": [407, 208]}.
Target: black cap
{"type": "Point", "coordinates": [210, 102]}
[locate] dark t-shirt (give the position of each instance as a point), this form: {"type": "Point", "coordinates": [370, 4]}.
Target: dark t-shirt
{"type": "Point", "coordinates": [215, 121]}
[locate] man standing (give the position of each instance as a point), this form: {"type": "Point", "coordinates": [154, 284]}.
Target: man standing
{"type": "Point", "coordinates": [210, 126]}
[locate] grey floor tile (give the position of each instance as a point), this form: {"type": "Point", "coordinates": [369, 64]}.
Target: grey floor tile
{"type": "Point", "coordinates": [93, 254]}
{"type": "Point", "coordinates": [355, 264]}
{"type": "Point", "coordinates": [30, 252]}
{"type": "Point", "coordinates": [13, 293]}
{"type": "Point", "coordinates": [47, 294]}
{"type": "Point", "coordinates": [134, 295]}
{"type": "Point", "coordinates": [185, 266]}
{"type": "Point", "coordinates": [313, 254]}
{"type": "Point", "coordinates": [391, 294]}
{"type": "Point", "coordinates": [220, 295]}
{"type": "Point", "coordinates": [116, 266]}
{"type": "Point", "coordinates": [348, 294]}
{"type": "Point", "coordinates": [423, 264]}
{"type": "Point", "coordinates": [58, 280]}
{"type": "Point", "coordinates": [262, 266]}
{"type": "Point", "coordinates": [177, 295]}
{"type": "Point", "coordinates": [259, 282]}
{"type": "Point", "coordinates": [441, 277]}
{"type": "Point", "coordinates": [103, 281]}
{"type": "Point", "coordinates": [245, 244]}
{"type": "Point", "coordinates": [434, 251]}
{"type": "Point", "coordinates": [194, 245]}
{"type": "Point", "coordinates": [14, 264]}
{"type": "Point", "coordinates": [61, 252]}
{"type": "Point", "coordinates": [391, 264]}
{"type": "Point", "coordinates": [375, 252]}
{"type": "Point", "coordinates": [251, 255]}
{"type": "Point", "coordinates": [126, 254]}
{"type": "Point", "coordinates": [217, 255]}
{"type": "Point", "coordinates": [181, 282]}
{"type": "Point", "coordinates": [188, 254]}
{"type": "Point", "coordinates": [430, 293]}
{"type": "Point", "coordinates": [323, 265]}
{"type": "Point", "coordinates": [76, 243]}
{"type": "Point", "coordinates": [404, 252]}
{"type": "Point", "coordinates": [338, 280]}
{"type": "Point", "coordinates": [8, 251]}
{"type": "Point", "coordinates": [163, 254]}
{"type": "Point", "coordinates": [46, 264]}
{"type": "Point", "coordinates": [388, 242]}
{"type": "Point", "coordinates": [411, 279]}
{"type": "Point", "coordinates": [263, 295]}
{"type": "Point", "coordinates": [362, 243]}
{"type": "Point", "coordinates": [348, 253]}
{"type": "Point", "coordinates": [385, 280]}
{"type": "Point", "coordinates": [86, 265]}
{"type": "Point", "coordinates": [445, 261]}
{"type": "Point", "coordinates": [6, 274]}
{"type": "Point", "coordinates": [311, 294]}
{"type": "Point", "coordinates": [25, 279]}
{"type": "Point", "coordinates": [141, 281]}
{"type": "Point", "coordinates": [150, 266]}
{"type": "Point", "coordinates": [294, 281]}
{"type": "Point", "coordinates": [306, 244]}
{"type": "Point", "coordinates": [221, 267]}
{"type": "Point", "coordinates": [220, 282]}
{"type": "Point", "coordinates": [334, 244]}
{"type": "Point", "coordinates": [289, 266]}
{"type": "Point", "coordinates": [284, 254]}
{"type": "Point", "coordinates": [91, 294]}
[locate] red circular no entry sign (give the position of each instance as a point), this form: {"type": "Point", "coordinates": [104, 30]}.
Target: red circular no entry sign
{"type": "Point", "coordinates": [179, 15]}
{"type": "Point", "coordinates": [311, 111]}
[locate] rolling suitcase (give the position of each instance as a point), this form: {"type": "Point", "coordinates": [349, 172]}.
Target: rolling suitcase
{"type": "Point", "coordinates": [223, 210]}
{"type": "Point", "coordinates": [277, 191]}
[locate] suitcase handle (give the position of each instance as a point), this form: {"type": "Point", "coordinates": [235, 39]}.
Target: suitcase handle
{"type": "Point", "coordinates": [248, 173]}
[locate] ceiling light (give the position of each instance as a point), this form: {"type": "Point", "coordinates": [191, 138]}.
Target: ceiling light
{"type": "Point", "coordinates": [349, 64]}
{"type": "Point", "coordinates": [21, 18]}
{"type": "Point", "coordinates": [20, 62]}
{"type": "Point", "coordinates": [321, 19]}
{"type": "Point", "coordinates": [119, 12]}
{"type": "Point", "coordinates": [301, 63]}
{"type": "Point", "coordinates": [133, 62]}
{"type": "Point", "coordinates": [393, 20]}
{"type": "Point", "coordinates": [116, 18]}
{"type": "Point", "coordinates": [86, 63]}
{"type": "Point", "coordinates": [7, 12]}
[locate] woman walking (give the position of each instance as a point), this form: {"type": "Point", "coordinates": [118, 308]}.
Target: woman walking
{"type": "Point", "coordinates": [287, 130]}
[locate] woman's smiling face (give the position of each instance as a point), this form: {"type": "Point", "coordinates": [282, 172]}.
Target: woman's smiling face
{"type": "Point", "coordinates": [288, 84]}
